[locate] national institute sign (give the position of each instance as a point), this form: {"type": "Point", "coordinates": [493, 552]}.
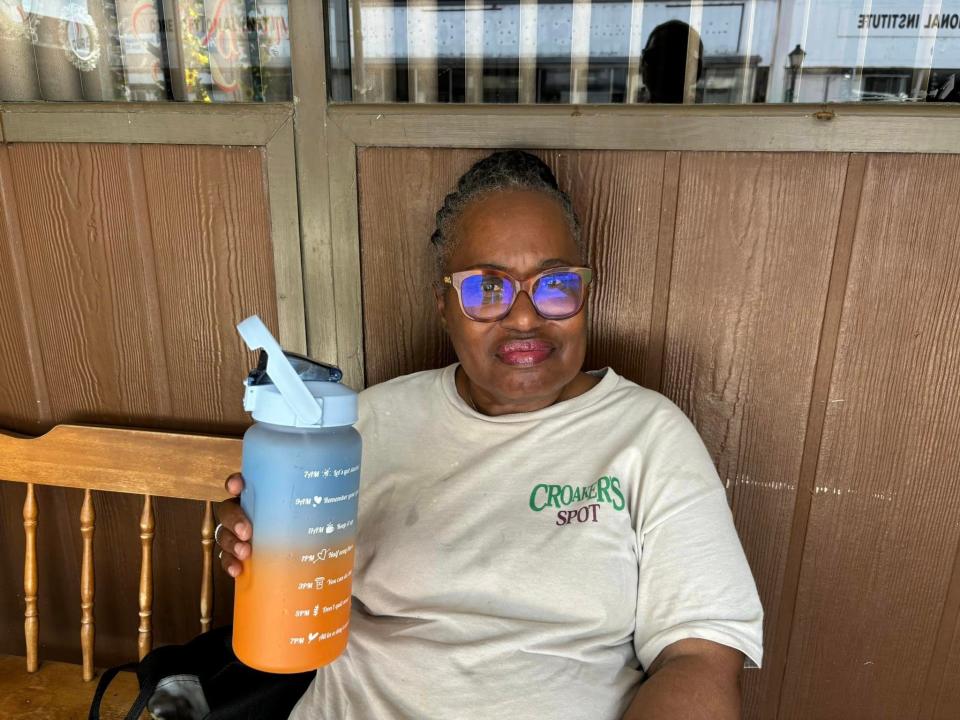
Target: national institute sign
{"type": "Point", "coordinates": [898, 22]}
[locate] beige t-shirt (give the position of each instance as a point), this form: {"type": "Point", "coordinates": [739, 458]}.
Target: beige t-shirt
{"type": "Point", "coordinates": [527, 566]}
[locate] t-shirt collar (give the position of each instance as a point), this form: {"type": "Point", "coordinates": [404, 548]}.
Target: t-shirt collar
{"type": "Point", "coordinates": [608, 380]}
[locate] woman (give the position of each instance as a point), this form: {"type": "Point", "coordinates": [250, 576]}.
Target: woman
{"type": "Point", "coordinates": [532, 537]}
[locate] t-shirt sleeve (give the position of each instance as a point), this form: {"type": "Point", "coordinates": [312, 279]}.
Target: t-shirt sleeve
{"type": "Point", "coordinates": [693, 580]}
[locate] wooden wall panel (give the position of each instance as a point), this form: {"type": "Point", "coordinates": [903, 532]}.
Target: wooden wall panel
{"type": "Point", "coordinates": [751, 266]}
{"type": "Point", "coordinates": [210, 224]}
{"type": "Point", "coordinates": [400, 327]}
{"type": "Point", "coordinates": [941, 696]}
{"type": "Point", "coordinates": [943, 683]}
{"type": "Point", "coordinates": [87, 283]}
{"type": "Point", "coordinates": [23, 398]}
{"type": "Point", "coordinates": [137, 261]}
{"type": "Point", "coordinates": [617, 196]}
{"type": "Point", "coordinates": [883, 530]}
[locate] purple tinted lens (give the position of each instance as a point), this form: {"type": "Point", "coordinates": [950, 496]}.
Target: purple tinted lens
{"type": "Point", "coordinates": [486, 297]}
{"type": "Point", "coordinates": [558, 294]}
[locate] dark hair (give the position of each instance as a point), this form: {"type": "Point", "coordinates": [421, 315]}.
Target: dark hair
{"type": "Point", "coordinates": [504, 170]}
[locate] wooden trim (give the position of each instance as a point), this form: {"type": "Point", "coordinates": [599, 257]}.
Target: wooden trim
{"type": "Point", "coordinates": [285, 236]}
{"type": "Point", "coordinates": [169, 123]}
{"type": "Point", "coordinates": [168, 464]}
{"type": "Point", "coordinates": [345, 231]}
{"type": "Point", "coordinates": [669, 197]}
{"type": "Point", "coordinates": [823, 374]}
{"type": "Point", "coordinates": [772, 128]}
{"type": "Point", "coordinates": [310, 134]}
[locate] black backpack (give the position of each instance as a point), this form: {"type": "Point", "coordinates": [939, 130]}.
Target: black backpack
{"type": "Point", "coordinates": [204, 680]}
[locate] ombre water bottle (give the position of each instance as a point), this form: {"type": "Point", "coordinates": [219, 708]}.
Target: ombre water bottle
{"type": "Point", "coordinates": [301, 469]}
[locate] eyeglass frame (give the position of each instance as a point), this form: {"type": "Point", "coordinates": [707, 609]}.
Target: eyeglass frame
{"type": "Point", "coordinates": [455, 281]}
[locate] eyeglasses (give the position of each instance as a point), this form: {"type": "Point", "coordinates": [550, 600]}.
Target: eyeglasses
{"type": "Point", "coordinates": [488, 295]}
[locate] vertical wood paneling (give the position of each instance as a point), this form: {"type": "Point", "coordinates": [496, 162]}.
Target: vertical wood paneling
{"type": "Point", "coordinates": [941, 696]}
{"type": "Point", "coordinates": [778, 637]}
{"type": "Point", "coordinates": [400, 327]}
{"type": "Point", "coordinates": [883, 528]}
{"type": "Point", "coordinates": [616, 195]}
{"type": "Point", "coordinates": [130, 267]}
{"type": "Point", "coordinates": [751, 265]}
{"type": "Point", "coordinates": [669, 191]}
{"type": "Point", "coordinates": [211, 237]}
{"type": "Point", "coordinates": [87, 284]}
{"type": "Point", "coordinates": [24, 402]}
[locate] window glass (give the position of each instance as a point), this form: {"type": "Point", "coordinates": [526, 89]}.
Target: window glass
{"type": "Point", "coordinates": [144, 50]}
{"type": "Point", "coordinates": [629, 51]}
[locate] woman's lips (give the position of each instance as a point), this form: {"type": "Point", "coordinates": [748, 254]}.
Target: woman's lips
{"type": "Point", "coordinates": [524, 352]}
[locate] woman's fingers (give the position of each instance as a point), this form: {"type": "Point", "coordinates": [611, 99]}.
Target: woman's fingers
{"type": "Point", "coordinates": [229, 512]}
{"type": "Point", "coordinates": [234, 484]}
{"type": "Point", "coordinates": [233, 551]}
{"type": "Point", "coordinates": [235, 529]}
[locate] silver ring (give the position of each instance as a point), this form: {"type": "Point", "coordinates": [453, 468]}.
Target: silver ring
{"type": "Point", "coordinates": [216, 533]}
{"type": "Point", "coordinates": [220, 555]}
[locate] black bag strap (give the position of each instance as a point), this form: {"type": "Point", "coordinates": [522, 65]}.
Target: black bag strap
{"type": "Point", "coordinates": [138, 705]}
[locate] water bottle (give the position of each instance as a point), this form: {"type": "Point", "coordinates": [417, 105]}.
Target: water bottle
{"type": "Point", "coordinates": [301, 468]}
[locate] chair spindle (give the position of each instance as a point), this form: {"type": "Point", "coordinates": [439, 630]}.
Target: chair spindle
{"type": "Point", "coordinates": [206, 582]}
{"type": "Point", "coordinates": [87, 519]}
{"type": "Point", "coordinates": [145, 632]}
{"type": "Point", "coordinates": [31, 620]}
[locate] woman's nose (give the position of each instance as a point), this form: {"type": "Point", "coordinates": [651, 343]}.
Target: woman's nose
{"type": "Point", "coordinates": [523, 316]}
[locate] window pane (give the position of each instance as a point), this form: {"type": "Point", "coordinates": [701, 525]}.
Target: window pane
{"type": "Point", "coordinates": [145, 50]}
{"type": "Point", "coordinates": [627, 51]}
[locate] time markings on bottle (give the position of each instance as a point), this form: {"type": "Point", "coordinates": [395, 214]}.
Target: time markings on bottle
{"type": "Point", "coordinates": [315, 636]}
{"type": "Point", "coordinates": [330, 527]}
{"type": "Point", "coordinates": [318, 500]}
{"type": "Point", "coordinates": [319, 609]}
{"type": "Point", "coordinates": [326, 554]}
{"type": "Point", "coordinates": [319, 582]}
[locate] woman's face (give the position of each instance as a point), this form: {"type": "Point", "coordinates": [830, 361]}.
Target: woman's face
{"type": "Point", "coordinates": [522, 362]}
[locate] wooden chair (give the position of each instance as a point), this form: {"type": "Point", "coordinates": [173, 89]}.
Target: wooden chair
{"type": "Point", "coordinates": [151, 464]}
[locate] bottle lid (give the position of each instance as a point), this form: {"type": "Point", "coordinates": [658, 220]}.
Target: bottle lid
{"type": "Point", "coordinates": [290, 389]}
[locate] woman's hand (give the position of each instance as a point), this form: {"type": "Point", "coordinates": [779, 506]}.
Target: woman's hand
{"type": "Point", "coordinates": [235, 530]}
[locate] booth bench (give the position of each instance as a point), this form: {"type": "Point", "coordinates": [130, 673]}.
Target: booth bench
{"type": "Point", "coordinates": [147, 463]}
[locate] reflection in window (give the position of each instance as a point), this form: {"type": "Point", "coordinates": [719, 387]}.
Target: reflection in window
{"type": "Point", "coordinates": [629, 51]}
{"type": "Point", "coordinates": [145, 50]}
